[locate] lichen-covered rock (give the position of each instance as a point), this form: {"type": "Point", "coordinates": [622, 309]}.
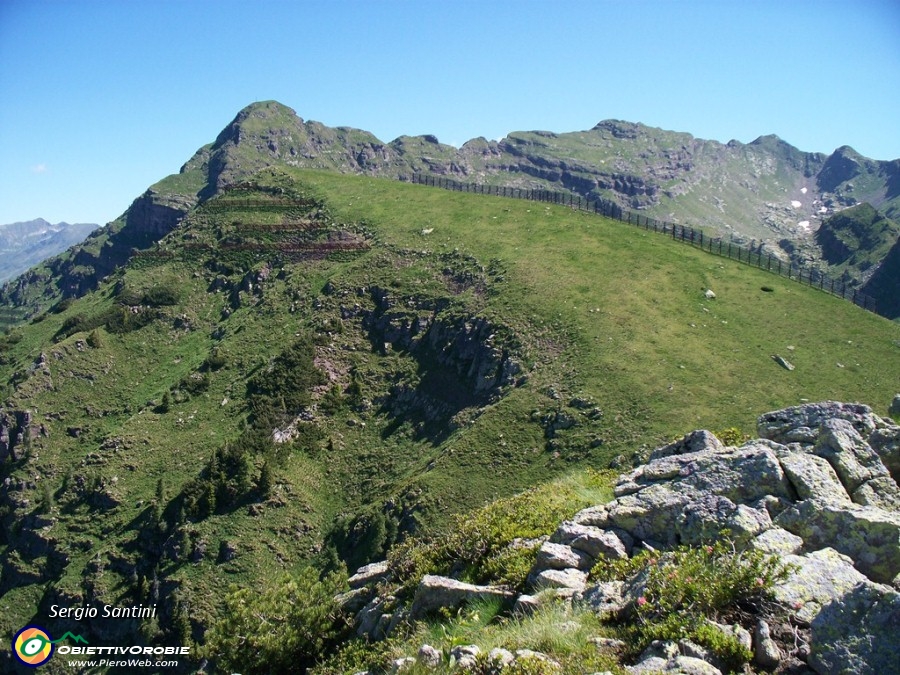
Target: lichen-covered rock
{"type": "Point", "coordinates": [857, 632]}
{"type": "Point", "coordinates": [696, 441]}
{"type": "Point", "coordinates": [777, 541]}
{"type": "Point", "coordinates": [886, 442]}
{"type": "Point", "coordinates": [870, 536]}
{"type": "Point", "coordinates": [465, 656]}
{"type": "Point", "coordinates": [593, 541]}
{"type": "Point", "coordinates": [569, 578]}
{"type": "Point", "coordinates": [428, 656]}
{"type": "Point", "coordinates": [853, 460]}
{"type": "Point", "coordinates": [560, 556]}
{"type": "Point", "coordinates": [813, 477]}
{"type": "Point", "coordinates": [881, 493]}
{"type": "Point", "coordinates": [817, 578]}
{"type": "Point", "coordinates": [524, 656]}
{"type": "Point", "coordinates": [606, 597]}
{"type": "Point", "coordinates": [500, 658]}
{"type": "Point", "coordinates": [706, 517]}
{"type": "Point", "coordinates": [801, 423]}
{"type": "Point", "coordinates": [766, 651]}
{"type": "Point", "coordinates": [666, 657]}
{"type": "Point", "coordinates": [595, 516]}
{"type": "Point", "coordinates": [435, 592]}
{"type": "Point", "coordinates": [369, 574]}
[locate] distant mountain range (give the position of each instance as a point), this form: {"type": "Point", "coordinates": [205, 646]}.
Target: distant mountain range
{"type": "Point", "coordinates": [766, 192]}
{"type": "Point", "coordinates": [23, 245]}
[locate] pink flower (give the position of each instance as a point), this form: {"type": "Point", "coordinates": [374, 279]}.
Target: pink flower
{"type": "Point", "coordinates": [760, 582]}
{"type": "Point", "coordinates": [709, 549]}
{"type": "Point", "coordinates": [641, 601]}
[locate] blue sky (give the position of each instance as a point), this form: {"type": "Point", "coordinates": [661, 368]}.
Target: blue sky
{"type": "Point", "coordinates": [101, 98]}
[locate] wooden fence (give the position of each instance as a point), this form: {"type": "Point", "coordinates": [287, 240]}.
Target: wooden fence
{"type": "Point", "coordinates": [683, 233]}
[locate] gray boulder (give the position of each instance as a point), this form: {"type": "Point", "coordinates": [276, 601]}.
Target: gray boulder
{"type": "Point", "coordinates": [801, 423]}
{"type": "Point", "coordinates": [857, 632]}
{"type": "Point", "coordinates": [560, 556]}
{"type": "Point", "coordinates": [435, 592]}
{"type": "Point", "coordinates": [606, 598]}
{"type": "Point", "coordinates": [852, 459]}
{"type": "Point", "coordinates": [777, 541]}
{"type": "Point", "coordinates": [870, 536]}
{"type": "Point", "coordinates": [592, 541]}
{"type": "Point", "coordinates": [573, 579]}
{"type": "Point", "coordinates": [813, 477]}
{"type": "Point", "coordinates": [894, 409]}
{"type": "Point", "coordinates": [886, 442]}
{"type": "Point", "coordinates": [766, 651]}
{"type": "Point", "coordinates": [369, 574]}
{"type": "Point", "coordinates": [465, 656]}
{"type": "Point", "coordinates": [696, 441]}
{"type": "Point", "coordinates": [428, 656]}
{"type": "Point", "coordinates": [817, 579]}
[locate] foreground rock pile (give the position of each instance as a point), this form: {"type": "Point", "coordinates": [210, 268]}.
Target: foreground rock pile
{"type": "Point", "coordinates": [818, 488]}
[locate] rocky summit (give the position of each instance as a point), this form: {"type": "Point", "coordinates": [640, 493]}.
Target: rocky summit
{"type": "Point", "coordinates": [817, 490]}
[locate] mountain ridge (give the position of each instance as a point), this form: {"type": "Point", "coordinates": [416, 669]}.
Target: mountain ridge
{"type": "Point", "coordinates": [765, 192]}
{"type": "Point", "coordinates": [26, 243]}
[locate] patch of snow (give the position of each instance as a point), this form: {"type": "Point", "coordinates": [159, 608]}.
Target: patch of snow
{"type": "Point", "coordinates": [803, 224]}
{"type": "Point", "coordinates": [796, 204]}
{"type": "Point", "coordinates": [803, 190]}
{"type": "Point", "coordinates": [823, 210]}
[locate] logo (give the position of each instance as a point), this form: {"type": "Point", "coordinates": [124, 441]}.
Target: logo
{"type": "Point", "coordinates": [33, 646]}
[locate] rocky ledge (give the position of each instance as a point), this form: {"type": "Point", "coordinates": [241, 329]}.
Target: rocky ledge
{"type": "Point", "coordinates": [818, 488]}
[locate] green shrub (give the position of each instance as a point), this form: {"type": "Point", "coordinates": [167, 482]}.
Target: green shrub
{"type": "Point", "coordinates": [223, 484]}
{"type": "Point", "coordinates": [285, 627]}
{"type": "Point", "coordinates": [686, 588]}
{"type": "Point", "coordinates": [732, 436]}
{"type": "Point", "coordinates": [215, 361]}
{"type": "Point", "coordinates": [195, 383]}
{"type": "Point", "coordinates": [278, 392]}
{"type": "Point", "coordinates": [94, 340]}
{"type": "Point", "coordinates": [476, 546]}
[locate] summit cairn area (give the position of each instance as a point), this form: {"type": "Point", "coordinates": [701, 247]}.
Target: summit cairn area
{"type": "Point", "coordinates": [816, 494]}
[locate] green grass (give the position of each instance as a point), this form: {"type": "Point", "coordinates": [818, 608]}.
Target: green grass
{"type": "Point", "coordinates": [594, 310]}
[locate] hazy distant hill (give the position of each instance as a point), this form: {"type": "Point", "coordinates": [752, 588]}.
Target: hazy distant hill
{"type": "Point", "coordinates": [25, 244]}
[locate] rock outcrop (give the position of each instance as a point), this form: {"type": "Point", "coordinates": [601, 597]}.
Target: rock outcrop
{"type": "Point", "coordinates": [815, 490]}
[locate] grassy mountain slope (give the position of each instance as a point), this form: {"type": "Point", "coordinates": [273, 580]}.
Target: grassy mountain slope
{"type": "Point", "coordinates": [426, 351]}
{"type": "Point", "coordinates": [856, 243]}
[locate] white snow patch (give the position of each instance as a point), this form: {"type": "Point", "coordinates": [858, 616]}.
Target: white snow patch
{"type": "Point", "coordinates": [803, 225]}
{"type": "Point", "coordinates": [803, 190]}
{"type": "Point", "coordinates": [823, 209]}
{"type": "Point", "coordinates": [796, 204]}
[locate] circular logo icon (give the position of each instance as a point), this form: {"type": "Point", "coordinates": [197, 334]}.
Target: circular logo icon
{"type": "Point", "coordinates": [32, 646]}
